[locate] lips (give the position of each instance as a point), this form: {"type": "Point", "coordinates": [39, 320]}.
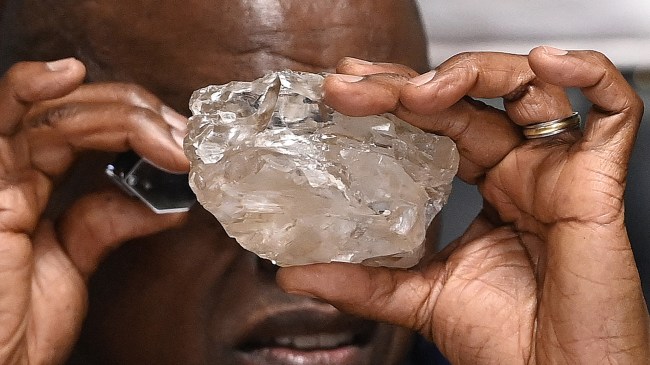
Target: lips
{"type": "Point", "coordinates": [307, 337]}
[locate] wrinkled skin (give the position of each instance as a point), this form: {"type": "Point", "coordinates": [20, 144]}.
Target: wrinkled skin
{"type": "Point", "coordinates": [545, 274]}
{"type": "Point", "coordinates": [180, 291]}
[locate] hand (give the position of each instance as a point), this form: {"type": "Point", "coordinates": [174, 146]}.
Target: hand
{"type": "Point", "coordinates": [48, 117]}
{"type": "Point", "coordinates": [545, 274]}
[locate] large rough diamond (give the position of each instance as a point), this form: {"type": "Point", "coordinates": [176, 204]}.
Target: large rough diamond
{"type": "Point", "coordinates": [297, 183]}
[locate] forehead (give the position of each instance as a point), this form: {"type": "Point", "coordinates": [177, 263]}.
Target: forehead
{"type": "Point", "coordinates": [174, 47]}
{"type": "Point", "coordinates": [265, 33]}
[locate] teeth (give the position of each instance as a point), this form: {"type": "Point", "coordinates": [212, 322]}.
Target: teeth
{"type": "Point", "coordinates": [315, 341]}
{"type": "Point", "coordinates": [306, 342]}
{"type": "Point", "coordinates": [284, 341]}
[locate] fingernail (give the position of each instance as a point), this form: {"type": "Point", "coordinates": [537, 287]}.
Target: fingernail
{"type": "Point", "coordinates": [174, 119]}
{"type": "Point", "coordinates": [423, 79]}
{"type": "Point", "coordinates": [554, 51]}
{"type": "Point", "coordinates": [178, 137]}
{"type": "Point", "coordinates": [60, 65]}
{"type": "Point", "coordinates": [348, 78]}
{"type": "Point", "coordinates": [358, 61]}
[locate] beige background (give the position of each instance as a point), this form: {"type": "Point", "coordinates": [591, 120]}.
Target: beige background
{"type": "Point", "coordinates": [621, 28]}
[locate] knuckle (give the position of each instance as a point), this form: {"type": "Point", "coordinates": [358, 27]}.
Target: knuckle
{"type": "Point", "coordinates": [345, 64]}
{"type": "Point", "coordinates": [136, 116]}
{"type": "Point", "coordinates": [598, 61]}
{"type": "Point", "coordinates": [636, 104]}
{"type": "Point", "coordinates": [53, 116]}
{"type": "Point", "coordinates": [631, 103]}
{"type": "Point", "coordinates": [465, 57]}
{"type": "Point", "coordinates": [600, 58]}
{"type": "Point", "coordinates": [465, 60]}
{"type": "Point", "coordinates": [140, 96]}
{"type": "Point", "coordinates": [134, 90]}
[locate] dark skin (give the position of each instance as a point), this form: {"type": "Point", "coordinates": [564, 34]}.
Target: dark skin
{"type": "Point", "coordinates": [241, 40]}
{"type": "Point", "coordinates": [544, 275]}
{"type": "Point", "coordinates": [181, 291]}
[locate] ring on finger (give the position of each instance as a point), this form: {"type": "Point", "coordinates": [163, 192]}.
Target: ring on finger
{"type": "Point", "coordinates": [552, 127]}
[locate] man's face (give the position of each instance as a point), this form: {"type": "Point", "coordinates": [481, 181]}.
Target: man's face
{"type": "Point", "coordinates": [192, 295]}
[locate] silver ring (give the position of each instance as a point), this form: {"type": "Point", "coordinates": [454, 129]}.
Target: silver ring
{"type": "Point", "coordinates": [552, 127]}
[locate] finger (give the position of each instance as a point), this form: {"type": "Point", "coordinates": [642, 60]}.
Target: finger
{"type": "Point", "coordinates": [355, 66]}
{"type": "Point", "coordinates": [118, 93]}
{"type": "Point", "coordinates": [384, 96]}
{"type": "Point", "coordinates": [487, 75]}
{"type": "Point", "coordinates": [103, 126]}
{"type": "Point", "coordinates": [371, 292]}
{"type": "Point", "coordinates": [101, 222]}
{"type": "Point", "coordinates": [363, 95]}
{"type": "Point", "coordinates": [614, 121]}
{"type": "Point", "coordinates": [466, 122]}
{"type": "Point", "coordinates": [28, 82]}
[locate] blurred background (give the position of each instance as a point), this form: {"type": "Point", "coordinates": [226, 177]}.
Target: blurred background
{"type": "Point", "coordinates": [620, 30]}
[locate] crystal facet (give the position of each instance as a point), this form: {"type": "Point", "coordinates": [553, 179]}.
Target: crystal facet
{"type": "Point", "coordinates": [297, 183]}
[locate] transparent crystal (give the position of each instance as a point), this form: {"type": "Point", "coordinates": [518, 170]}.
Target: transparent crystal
{"type": "Point", "coordinates": [297, 183]}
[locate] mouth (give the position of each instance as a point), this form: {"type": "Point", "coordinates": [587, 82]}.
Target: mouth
{"type": "Point", "coordinates": [308, 338]}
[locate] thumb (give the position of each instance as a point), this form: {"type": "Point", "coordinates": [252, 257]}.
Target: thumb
{"type": "Point", "coordinates": [99, 223]}
{"type": "Point", "coordinates": [402, 297]}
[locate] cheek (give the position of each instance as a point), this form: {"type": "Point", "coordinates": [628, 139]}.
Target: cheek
{"type": "Point", "coordinates": [150, 298]}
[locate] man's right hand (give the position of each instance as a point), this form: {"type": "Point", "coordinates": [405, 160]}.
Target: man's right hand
{"type": "Point", "coordinates": [48, 117]}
